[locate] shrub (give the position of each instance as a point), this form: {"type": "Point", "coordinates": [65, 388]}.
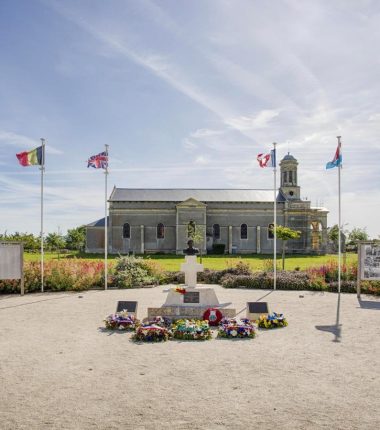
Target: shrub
{"type": "Point", "coordinates": [330, 271]}
{"type": "Point", "coordinates": [58, 276]}
{"type": "Point", "coordinates": [218, 248]}
{"type": "Point", "coordinates": [345, 287]}
{"type": "Point", "coordinates": [264, 280]}
{"type": "Point", "coordinates": [370, 287]}
{"type": "Point", "coordinates": [173, 278]}
{"type": "Point", "coordinates": [132, 272]}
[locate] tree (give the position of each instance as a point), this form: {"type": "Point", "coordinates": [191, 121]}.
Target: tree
{"type": "Point", "coordinates": [76, 238]}
{"type": "Point", "coordinates": [197, 234]}
{"type": "Point", "coordinates": [333, 235]}
{"type": "Point", "coordinates": [30, 241]}
{"type": "Point", "coordinates": [286, 233]}
{"type": "Point", "coordinates": [357, 234]}
{"type": "Point", "coordinates": [354, 236]}
{"type": "Point", "coordinates": [55, 242]}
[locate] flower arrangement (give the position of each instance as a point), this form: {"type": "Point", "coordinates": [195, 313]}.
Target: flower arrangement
{"type": "Point", "coordinates": [232, 328]}
{"type": "Point", "coordinates": [161, 321]}
{"type": "Point", "coordinates": [152, 333]}
{"type": "Point", "coordinates": [273, 320]}
{"type": "Point", "coordinates": [191, 330]}
{"type": "Point", "coordinates": [121, 321]}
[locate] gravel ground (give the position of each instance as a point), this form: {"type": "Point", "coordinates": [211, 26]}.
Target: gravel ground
{"type": "Point", "coordinates": [59, 370]}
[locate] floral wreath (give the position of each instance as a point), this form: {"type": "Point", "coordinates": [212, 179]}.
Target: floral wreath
{"type": "Point", "coordinates": [213, 316]}
{"type": "Point", "coordinates": [121, 321]}
{"type": "Point", "coordinates": [233, 328]}
{"type": "Point", "coordinates": [273, 320]}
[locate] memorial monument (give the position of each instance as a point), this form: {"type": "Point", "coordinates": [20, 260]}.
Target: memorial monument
{"type": "Point", "coordinates": [192, 300]}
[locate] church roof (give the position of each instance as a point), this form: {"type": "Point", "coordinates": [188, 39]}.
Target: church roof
{"type": "Point", "coordinates": [289, 157]}
{"type": "Point", "coordinates": [182, 194]}
{"type": "Point", "coordinates": [97, 223]}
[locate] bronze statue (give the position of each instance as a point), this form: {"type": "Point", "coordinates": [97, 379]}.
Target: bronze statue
{"type": "Point", "coordinates": [190, 250]}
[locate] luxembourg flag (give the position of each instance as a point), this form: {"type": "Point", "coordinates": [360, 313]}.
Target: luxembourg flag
{"type": "Point", "coordinates": [267, 160]}
{"type": "Point", "coordinates": [337, 160]}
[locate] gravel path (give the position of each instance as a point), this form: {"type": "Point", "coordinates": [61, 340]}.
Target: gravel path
{"type": "Point", "coordinates": [59, 370]}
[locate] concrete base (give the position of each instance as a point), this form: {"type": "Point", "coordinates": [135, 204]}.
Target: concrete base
{"type": "Point", "coordinates": [189, 312]}
{"type": "Point", "coordinates": [207, 298]}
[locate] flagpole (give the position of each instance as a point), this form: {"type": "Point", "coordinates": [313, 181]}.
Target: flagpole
{"type": "Point", "coordinates": [106, 225]}
{"type": "Point", "coordinates": [275, 219]}
{"type": "Point", "coordinates": [339, 217]}
{"type": "Point", "coordinates": [42, 168]}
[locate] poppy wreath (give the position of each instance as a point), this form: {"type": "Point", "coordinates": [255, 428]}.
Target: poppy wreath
{"type": "Point", "coordinates": [233, 328]}
{"type": "Point", "coordinates": [121, 321]}
{"type": "Point", "coordinates": [273, 320]}
{"type": "Point", "coordinates": [213, 316]}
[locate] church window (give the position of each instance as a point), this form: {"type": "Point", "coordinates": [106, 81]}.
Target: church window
{"type": "Point", "coordinates": [244, 231]}
{"type": "Point", "coordinates": [191, 229]}
{"type": "Point", "coordinates": [160, 231]}
{"type": "Point", "coordinates": [216, 231]}
{"type": "Point", "coordinates": [126, 231]}
{"type": "Point", "coordinates": [271, 231]}
{"type": "Point", "coordinates": [291, 177]}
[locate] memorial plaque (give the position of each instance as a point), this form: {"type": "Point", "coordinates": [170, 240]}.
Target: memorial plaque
{"type": "Point", "coordinates": [191, 297]}
{"type": "Point", "coordinates": [130, 307]}
{"type": "Point", "coordinates": [255, 309]}
{"type": "Point", "coordinates": [258, 307]}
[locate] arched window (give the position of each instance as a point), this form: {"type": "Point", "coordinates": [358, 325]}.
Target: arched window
{"type": "Point", "coordinates": [290, 177]}
{"type": "Point", "coordinates": [126, 231]}
{"type": "Point", "coordinates": [216, 231]}
{"type": "Point", "coordinates": [191, 229]}
{"type": "Point", "coordinates": [243, 231]}
{"type": "Point", "coordinates": [271, 231]}
{"type": "Point", "coordinates": [160, 231]}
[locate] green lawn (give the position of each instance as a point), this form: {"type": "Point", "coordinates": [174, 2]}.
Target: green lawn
{"type": "Point", "coordinates": [216, 262]}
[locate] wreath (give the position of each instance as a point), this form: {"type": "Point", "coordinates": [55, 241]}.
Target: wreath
{"type": "Point", "coordinates": [121, 321]}
{"type": "Point", "coordinates": [191, 330]}
{"type": "Point", "coordinates": [233, 328]}
{"type": "Point", "coordinates": [272, 321]}
{"type": "Point", "coordinates": [213, 316]}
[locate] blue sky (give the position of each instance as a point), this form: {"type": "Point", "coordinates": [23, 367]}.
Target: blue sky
{"type": "Point", "coordinates": [186, 94]}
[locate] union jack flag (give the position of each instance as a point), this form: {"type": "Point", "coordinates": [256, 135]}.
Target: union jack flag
{"type": "Point", "coordinates": [98, 161]}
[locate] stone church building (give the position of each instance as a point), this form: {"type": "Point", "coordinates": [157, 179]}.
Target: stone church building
{"type": "Point", "coordinates": [159, 220]}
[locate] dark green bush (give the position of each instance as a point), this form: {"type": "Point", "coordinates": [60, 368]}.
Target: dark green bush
{"type": "Point", "coordinates": [345, 287]}
{"type": "Point", "coordinates": [264, 280]}
{"type": "Point", "coordinates": [218, 248]}
{"type": "Point", "coordinates": [173, 278]}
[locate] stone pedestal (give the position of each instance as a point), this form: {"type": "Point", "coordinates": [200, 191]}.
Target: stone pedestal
{"type": "Point", "coordinates": [192, 304]}
{"type": "Point", "coordinates": [201, 297]}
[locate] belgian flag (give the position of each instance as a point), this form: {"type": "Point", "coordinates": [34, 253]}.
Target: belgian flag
{"type": "Point", "coordinates": [32, 158]}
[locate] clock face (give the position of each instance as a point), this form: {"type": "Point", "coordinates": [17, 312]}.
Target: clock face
{"type": "Point", "coordinates": [291, 193]}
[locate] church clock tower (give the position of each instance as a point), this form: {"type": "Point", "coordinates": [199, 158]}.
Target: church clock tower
{"type": "Point", "coordinates": [289, 187]}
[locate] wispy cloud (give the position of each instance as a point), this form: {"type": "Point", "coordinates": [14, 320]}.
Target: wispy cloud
{"type": "Point", "coordinates": [253, 122]}
{"type": "Point", "coordinates": [24, 142]}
